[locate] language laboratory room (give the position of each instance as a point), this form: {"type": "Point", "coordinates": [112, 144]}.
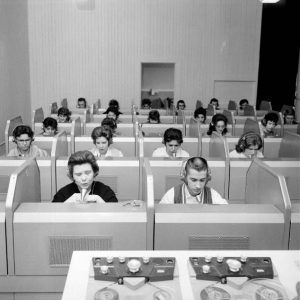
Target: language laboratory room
{"type": "Point", "coordinates": [149, 150]}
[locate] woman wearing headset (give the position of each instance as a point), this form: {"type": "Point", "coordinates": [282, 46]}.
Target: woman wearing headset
{"type": "Point", "coordinates": [82, 169]}
{"type": "Point", "coordinates": [249, 145]}
{"type": "Point", "coordinates": [195, 175]}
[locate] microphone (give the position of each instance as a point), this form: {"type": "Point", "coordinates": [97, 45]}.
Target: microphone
{"type": "Point", "coordinates": [83, 194]}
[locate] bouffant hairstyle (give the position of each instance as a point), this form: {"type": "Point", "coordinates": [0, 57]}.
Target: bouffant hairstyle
{"type": "Point", "coordinates": [80, 158]}
{"type": "Point", "coordinates": [215, 119]}
{"type": "Point", "coordinates": [106, 132]}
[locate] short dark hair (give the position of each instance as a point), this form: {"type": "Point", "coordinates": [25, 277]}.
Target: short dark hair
{"type": "Point", "coordinates": [178, 102]}
{"type": "Point", "coordinates": [146, 101]}
{"type": "Point", "coordinates": [243, 101]}
{"type": "Point", "coordinates": [22, 129]}
{"type": "Point", "coordinates": [289, 112]}
{"type": "Point", "coordinates": [214, 100]}
{"type": "Point", "coordinates": [106, 132]}
{"type": "Point", "coordinates": [109, 122]}
{"type": "Point", "coordinates": [154, 115]}
{"type": "Point", "coordinates": [64, 112]}
{"type": "Point", "coordinates": [271, 116]}
{"type": "Point", "coordinates": [215, 119]}
{"type": "Point", "coordinates": [80, 158]}
{"type": "Point", "coordinates": [173, 134]}
{"type": "Point", "coordinates": [113, 110]}
{"type": "Point", "coordinates": [50, 122]}
{"type": "Point", "coordinates": [248, 139]}
{"type": "Point", "coordinates": [114, 103]}
{"type": "Point", "coordinates": [200, 111]}
{"type": "Point", "coordinates": [82, 99]}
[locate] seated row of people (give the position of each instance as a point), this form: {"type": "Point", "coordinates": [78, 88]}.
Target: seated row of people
{"type": "Point", "coordinates": [83, 168]}
{"type": "Point", "coordinates": [249, 144]}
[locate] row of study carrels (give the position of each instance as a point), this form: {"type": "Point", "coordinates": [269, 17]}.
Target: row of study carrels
{"type": "Point", "coordinates": [134, 143]}
{"type": "Point", "coordinates": [235, 123]}
{"type": "Point", "coordinates": [37, 238]}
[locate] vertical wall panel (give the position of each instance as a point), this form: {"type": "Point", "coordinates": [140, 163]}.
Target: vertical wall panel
{"type": "Point", "coordinates": [14, 62]}
{"type": "Point", "coordinates": [98, 53]}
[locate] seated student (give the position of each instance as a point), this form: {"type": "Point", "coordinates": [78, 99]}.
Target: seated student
{"type": "Point", "coordinates": [110, 123]}
{"type": "Point", "coordinates": [289, 116]}
{"type": "Point", "coordinates": [195, 175]}
{"type": "Point", "coordinates": [81, 103]}
{"type": "Point", "coordinates": [180, 105]}
{"type": "Point", "coordinates": [146, 103]}
{"type": "Point", "coordinates": [64, 115]}
{"type": "Point", "coordinates": [243, 103]}
{"type": "Point", "coordinates": [248, 146]}
{"type": "Point", "coordinates": [214, 102]}
{"type": "Point", "coordinates": [102, 138]}
{"type": "Point", "coordinates": [154, 117]}
{"type": "Point", "coordinates": [115, 104]}
{"type": "Point", "coordinates": [82, 169]}
{"type": "Point", "coordinates": [49, 127]}
{"type": "Point", "coordinates": [172, 141]}
{"type": "Point", "coordinates": [200, 114]}
{"type": "Point", "coordinates": [23, 137]}
{"type": "Point", "coordinates": [218, 124]}
{"type": "Point", "coordinates": [112, 113]}
{"type": "Point", "coordinates": [267, 125]}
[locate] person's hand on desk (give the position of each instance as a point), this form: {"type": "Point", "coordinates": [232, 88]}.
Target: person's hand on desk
{"type": "Point", "coordinates": [76, 198]}
{"type": "Point", "coordinates": [93, 199]}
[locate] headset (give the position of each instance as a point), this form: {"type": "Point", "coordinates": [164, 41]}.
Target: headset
{"type": "Point", "coordinates": [200, 162]}
{"type": "Point", "coordinates": [24, 129]}
{"type": "Point", "coordinates": [242, 143]}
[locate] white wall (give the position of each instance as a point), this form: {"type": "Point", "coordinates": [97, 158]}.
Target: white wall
{"type": "Point", "coordinates": [98, 53]}
{"type": "Point", "coordinates": [14, 62]}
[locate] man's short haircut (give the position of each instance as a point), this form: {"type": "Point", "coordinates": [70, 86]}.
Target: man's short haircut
{"type": "Point", "coordinates": [196, 163]}
{"type": "Point", "coordinates": [180, 102]}
{"type": "Point", "coordinates": [64, 112]}
{"type": "Point", "coordinates": [82, 100]}
{"type": "Point", "coordinates": [22, 129]}
{"type": "Point", "coordinates": [172, 134]}
{"type": "Point", "coordinates": [271, 116]}
{"type": "Point", "coordinates": [154, 115]}
{"type": "Point", "coordinates": [50, 122]}
{"type": "Point", "coordinates": [200, 111]}
{"type": "Point", "coordinates": [214, 100]}
{"type": "Point", "coordinates": [248, 139]}
{"type": "Point", "coordinates": [80, 158]}
{"type": "Point", "coordinates": [109, 122]}
{"type": "Point", "coordinates": [106, 132]}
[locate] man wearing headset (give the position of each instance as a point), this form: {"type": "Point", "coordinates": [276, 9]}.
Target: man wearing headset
{"type": "Point", "coordinates": [195, 175]}
{"type": "Point", "coordinates": [23, 137]}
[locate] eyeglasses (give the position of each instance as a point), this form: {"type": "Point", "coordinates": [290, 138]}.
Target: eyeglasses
{"type": "Point", "coordinates": [24, 141]}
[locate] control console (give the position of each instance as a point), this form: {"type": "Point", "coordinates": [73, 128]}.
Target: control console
{"type": "Point", "coordinates": [116, 268]}
{"type": "Point", "coordinates": [251, 278]}
{"type": "Point", "coordinates": [219, 268]}
{"type": "Point", "coordinates": [147, 278]}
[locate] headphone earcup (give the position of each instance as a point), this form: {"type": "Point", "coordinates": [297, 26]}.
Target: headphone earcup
{"type": "Point", "coordinates": [208, 177]}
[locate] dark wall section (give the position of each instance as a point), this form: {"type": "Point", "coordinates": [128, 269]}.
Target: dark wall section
{"type": "Point", "coordinates": [279, 53]}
